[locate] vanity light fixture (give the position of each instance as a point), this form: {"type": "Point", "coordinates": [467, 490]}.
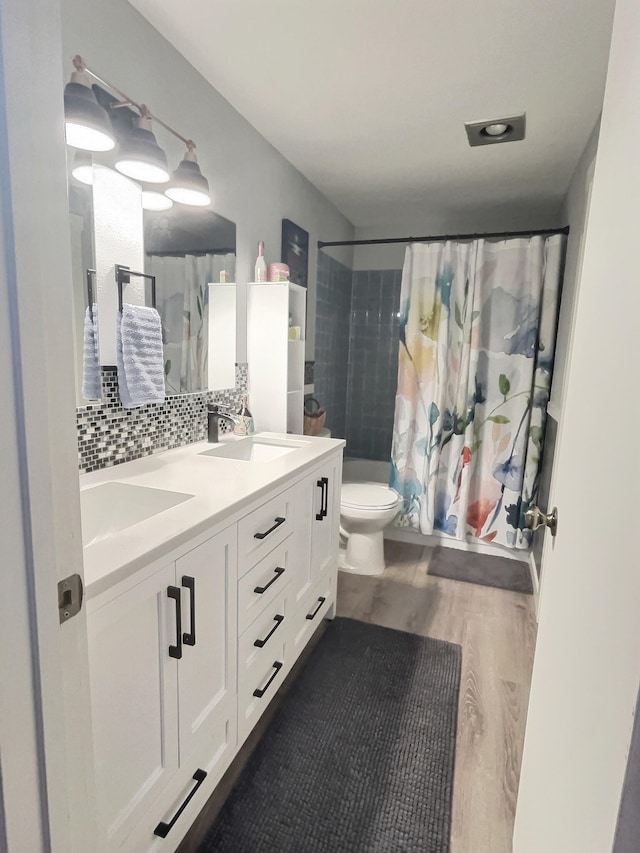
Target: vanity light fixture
{"type": "Point", "coordinates": [188, 184]}
{"type": "Point", "coordinates": [509, 129]}
{"type": "Point", "coordinates": [86, 124]}
{"type": "Point", "coordinates": [82, 169]}
{"type": "Point", "coordinates": [153, 198]}
{"type": "Point", "coordinates": [140, 156]}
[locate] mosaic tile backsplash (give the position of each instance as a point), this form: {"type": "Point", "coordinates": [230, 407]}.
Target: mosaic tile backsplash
{"type": "Point", "coordinates": [108, 434]}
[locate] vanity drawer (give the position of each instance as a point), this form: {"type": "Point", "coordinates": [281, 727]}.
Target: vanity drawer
{"type": "Point", "coordinates": [264, 583]}
{"type": "Point", "coordinates": [260, 684]}
{"type": "Point", "coordinates": [263, 529]}
{"type": "Point", "coordinates": [311, 611]}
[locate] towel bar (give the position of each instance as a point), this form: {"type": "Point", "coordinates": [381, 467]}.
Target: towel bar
{"type": "Point", "coordinates": [90, 274]}
{"type": "Point", "coordinates": [123, 276]}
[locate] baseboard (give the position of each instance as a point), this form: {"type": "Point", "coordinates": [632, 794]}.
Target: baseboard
{"type": "Point", "coordinates": [403, 534]}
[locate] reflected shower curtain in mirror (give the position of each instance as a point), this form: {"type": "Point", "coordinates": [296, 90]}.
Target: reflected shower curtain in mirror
{"type": "Point", "coordinates": [183, 304]}
{"type": "Point", "coordinates": [477, 335]}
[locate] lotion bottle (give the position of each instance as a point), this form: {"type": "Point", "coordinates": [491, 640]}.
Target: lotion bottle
{"type": "Point", "coordinates": [261, 265]}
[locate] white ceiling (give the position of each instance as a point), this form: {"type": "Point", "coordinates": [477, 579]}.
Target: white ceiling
{"type": "Point", "coordinates": [367, 98]}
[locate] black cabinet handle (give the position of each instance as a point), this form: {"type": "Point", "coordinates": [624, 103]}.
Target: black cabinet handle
{"type": "Point", "coordinates": [320, 485]}
{"type": "Point", "coordinates": [163, 829]}
{"type": "Point", "coordinates": [278, 521]}
{"type": "Point", "coordinates": [313, 615]}
{"type": "Point", "coordinates": [276, 574]}
{"type": "Point", "coordinates": [259, 693]}
{"type": "Point", "coordinates": [325, 508]}
{"type": "Point", "coordinates": [278, 620]}
{"type": "Point", "coordinates": [176, 651]}
{"type": "Point", "coordinates": [189, 639]}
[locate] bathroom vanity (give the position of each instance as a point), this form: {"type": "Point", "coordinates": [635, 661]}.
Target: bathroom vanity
{"type": "Point", "coordinates": [196, 612]}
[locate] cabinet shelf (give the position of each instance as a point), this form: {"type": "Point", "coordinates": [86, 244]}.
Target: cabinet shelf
{"type": "Point", "coordinates": [276, 362]}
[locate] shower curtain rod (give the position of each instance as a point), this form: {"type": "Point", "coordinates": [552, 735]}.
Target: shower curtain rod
{"type": "Point", "coordinates": [497, 235]}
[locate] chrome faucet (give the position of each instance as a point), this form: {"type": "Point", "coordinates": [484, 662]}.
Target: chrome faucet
{"type": "Point", "coordinates": [214, 414]}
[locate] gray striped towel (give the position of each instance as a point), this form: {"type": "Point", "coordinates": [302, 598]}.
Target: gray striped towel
{"type": "Point", "coordinates": [140, 356]}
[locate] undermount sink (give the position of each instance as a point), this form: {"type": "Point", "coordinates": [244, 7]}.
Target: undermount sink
{"type": "Point", "coordinates": [112, 507]}
{"type": "Point", "coordinates": [254, 449]}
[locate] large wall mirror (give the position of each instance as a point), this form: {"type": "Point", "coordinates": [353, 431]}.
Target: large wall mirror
{"type": "Point", "coordinates": [184, 248]}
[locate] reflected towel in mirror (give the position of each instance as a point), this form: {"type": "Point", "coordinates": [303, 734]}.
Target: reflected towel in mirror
{"type": "Point", "coordinates": [140, 356]}
{"type": "Point", "coordinates": [91, 382]}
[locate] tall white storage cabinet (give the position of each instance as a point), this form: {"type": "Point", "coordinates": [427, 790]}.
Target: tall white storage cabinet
{"type": "Point", "coordinates": [276, 363]}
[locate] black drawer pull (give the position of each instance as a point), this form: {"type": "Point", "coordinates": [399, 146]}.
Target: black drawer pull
{"type": "Point", "coordinates": [278, 620]}
{"type": "Point", "coordinates": [277, 572]}
{"type": "Point", "coordinates": [259, 693]}
{"type": "Point", "coordinates": [325, 508]}
{"type": "Point", "coordinates": [189, 639]}
{"type": "Point", "coordinates": [278, 521]}
{"type": "Point", "coordinates": [313, 615]}
{"type": "Point", "coordinates": [163, 829]}
{"type": "Point", "coordinates": [320, 485]}
{"type": "Point", "coordinates": [176, 651]}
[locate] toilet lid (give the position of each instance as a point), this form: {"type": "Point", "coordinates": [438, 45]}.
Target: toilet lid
{"type": "Point", "coordinates": [368, 496]}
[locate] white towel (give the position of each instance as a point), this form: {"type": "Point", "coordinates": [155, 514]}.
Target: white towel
{"type": "Point", "coordinates": [91, 383]}
{"type": "Point", "coordinates": [140, 356]}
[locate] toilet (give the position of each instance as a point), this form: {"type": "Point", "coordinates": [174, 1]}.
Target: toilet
{"type": "Point", "coordinates": [365, 510]}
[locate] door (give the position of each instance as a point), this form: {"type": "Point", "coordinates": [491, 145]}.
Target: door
{"type": "Point", "coordinates": [587, 664]}
{"type": "Point", "coordinates": [325, 485]}
{"type": "Point", "coordinates": [206, 577]}
{"type": "Point", "coordinates": [134, 699]}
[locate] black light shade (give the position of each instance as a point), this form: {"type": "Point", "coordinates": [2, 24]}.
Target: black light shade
{"type": "Point", "coordinates": [141, 158]}
{"type": "Point", "coordinates": [87, 124]}
{"type": "Point", "coordinates": [188, 184]}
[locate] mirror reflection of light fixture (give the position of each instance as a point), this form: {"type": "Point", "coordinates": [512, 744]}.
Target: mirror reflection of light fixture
{"type": "Point", "coordinates": [86, 124]}
{"type": "Point", "coordinates": [188, 184]}
{"type": "Point", "coordinates": [140, 156]}
{"type": "Point", "coordinates": [82, 169]}
{"type": "Point", "coordinates": [154, 199]}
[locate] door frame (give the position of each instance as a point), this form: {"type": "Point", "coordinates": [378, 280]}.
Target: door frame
{"type": "Point", "coordinates": [46, 736]}
{"type": "Point", "coordinates": [556, 408]}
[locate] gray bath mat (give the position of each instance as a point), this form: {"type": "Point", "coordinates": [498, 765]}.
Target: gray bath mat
{"type": "Point", "coordinates": [484, 569]}
{"type": "Point", "coordinates": [360, 755]}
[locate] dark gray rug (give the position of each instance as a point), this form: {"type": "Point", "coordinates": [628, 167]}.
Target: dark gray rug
{"type": "Point", "coordinates": [485, 569]}
{"type": "Point", "coordinates": [360, 755]}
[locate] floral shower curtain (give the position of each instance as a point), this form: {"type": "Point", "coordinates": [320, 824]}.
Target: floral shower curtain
{"type": "Point", "coordinates": [183, 303]}
{"type": "Point", "coordinates": [477, 334]}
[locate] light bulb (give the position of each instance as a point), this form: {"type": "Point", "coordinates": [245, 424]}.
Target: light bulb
{"type": "Point", "coordinates": [496, 129]}
{"type": "Point", "coordinates": [87, 138]}
{"type": "Point", "coordinates": [184, 195]}
{"type": "Point", "coordinates": [155, 200]}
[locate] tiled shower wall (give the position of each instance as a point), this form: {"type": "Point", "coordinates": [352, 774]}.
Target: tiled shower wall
{"type": "Point", "coordinates": [333, 309]}
{"type": "Point", "coordinates": [356, 354]}
{"type": "Point", "coordinates": [108, 434]}
{"type": "Point", "coordinates": [373, 363]}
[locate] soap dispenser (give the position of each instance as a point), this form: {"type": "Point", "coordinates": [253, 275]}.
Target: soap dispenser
{"type": "Point", "coordinates": [245, 425]}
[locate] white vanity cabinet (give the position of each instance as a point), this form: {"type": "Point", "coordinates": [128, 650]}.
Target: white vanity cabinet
{"type": "Point", "coordinates": [186, 654]}
{"type": "Point", "coordinates": [162, 662]}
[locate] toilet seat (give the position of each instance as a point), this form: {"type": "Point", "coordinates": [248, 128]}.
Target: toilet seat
{"type": "Point", "coordinates": [368, 496]}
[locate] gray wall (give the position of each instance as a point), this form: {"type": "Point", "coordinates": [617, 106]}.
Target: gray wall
{"type": "Point", "coordinates": [373, 363]}
{"type": "Point", "coordinates": [251, 183]}
{"type": "Point", "coordinates": [333, 314]}
{"type": "Point", "coordinates": [628, 831]}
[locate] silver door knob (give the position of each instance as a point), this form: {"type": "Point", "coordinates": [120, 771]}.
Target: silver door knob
{"type": "Point", "coordinates": [535, 518]}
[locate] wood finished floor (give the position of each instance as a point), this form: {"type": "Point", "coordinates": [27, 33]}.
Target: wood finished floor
{"type": "Point", "coordinates": [497, 631]}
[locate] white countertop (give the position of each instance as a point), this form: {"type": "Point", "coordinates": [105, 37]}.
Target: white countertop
{"type": "Point", "coordinates": [220, 488]}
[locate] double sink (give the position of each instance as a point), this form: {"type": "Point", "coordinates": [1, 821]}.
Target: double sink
{"type": "Point", "coordinates": [113, 507]}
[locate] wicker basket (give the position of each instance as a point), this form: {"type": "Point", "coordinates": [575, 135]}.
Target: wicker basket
{"type": "Point", "coordinates": [313, 419]}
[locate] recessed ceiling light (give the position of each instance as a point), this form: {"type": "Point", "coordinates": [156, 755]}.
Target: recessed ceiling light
{"type": "Point", "coordinates": [496, 129]}
{"type": "Point", "coordinates": [508, 129]}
